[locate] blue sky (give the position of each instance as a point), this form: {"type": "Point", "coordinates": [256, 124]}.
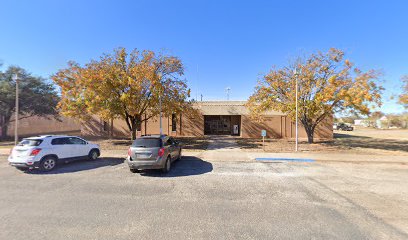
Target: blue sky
{"type": "Point", "coordinates": [222, 43]}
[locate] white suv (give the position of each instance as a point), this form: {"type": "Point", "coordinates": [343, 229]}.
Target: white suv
{"type": "Point", "coordinates": [45, 152]}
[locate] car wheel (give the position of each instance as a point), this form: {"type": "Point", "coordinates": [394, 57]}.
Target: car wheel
{"type": "Point", "coordinates": [93, 154]}
{"type": "Point", "coordinates": [48, 164]}
{"type": "Point", "coordinates": [167, 165]}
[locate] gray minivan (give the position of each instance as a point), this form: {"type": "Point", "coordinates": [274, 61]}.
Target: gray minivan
{"type": "Point", "coordinates": [153, 152]}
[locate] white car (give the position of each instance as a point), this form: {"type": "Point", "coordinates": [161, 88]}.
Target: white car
{"type": "Point", "coordinates": [45, 152]}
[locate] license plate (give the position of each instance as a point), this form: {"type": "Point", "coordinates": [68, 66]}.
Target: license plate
{"type": "Point", "coordinates": [142, 155]}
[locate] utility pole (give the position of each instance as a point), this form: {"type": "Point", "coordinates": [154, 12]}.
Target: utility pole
{"type": "Point", "coordinates": [160, 106]}
{"type": "Point", "coordinates": [15, 77]}
{"type": "Point", "coordinates": [296, 73]}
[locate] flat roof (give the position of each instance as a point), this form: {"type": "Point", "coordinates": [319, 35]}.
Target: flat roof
{"type": "Point", "coordinates": [227, 108]}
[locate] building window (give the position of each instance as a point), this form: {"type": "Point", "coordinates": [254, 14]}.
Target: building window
{"type": "Point", "coordinates": [105, 126]}
{"type": "Point", "coordinates": [173, 122]}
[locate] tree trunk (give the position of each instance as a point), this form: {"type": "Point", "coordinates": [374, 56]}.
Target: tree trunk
{"type": "Point", "coordinates": [309, 128]}
{"type": "Point", "coordinates": [132, 123]}
{"type": "Point", "coordinates": [133, 130]}
{"type": "Point", "coordinates": [4, 127]}
{"type": "Point", "coordinates": [310, 137]}
{"type": "Point", "coordinates": [310, 133]}
{"type": "Point", "coordinates": [4, 122]}
{"type": "Point", "coordinates": [111, 128]}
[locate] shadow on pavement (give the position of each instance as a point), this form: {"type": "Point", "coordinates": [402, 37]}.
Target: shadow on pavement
{"type": "Point", "coordinates": [82, 165]}
{"type": "Point", "coordinates": [187, 166]}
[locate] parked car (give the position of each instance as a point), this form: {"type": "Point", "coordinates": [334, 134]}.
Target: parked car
{"type": "Point", "coordinates": [153, 152]}
{"type": "Point", "coordinates": [335, 126]}
{"type": "Point", "coordinates": [46, 152]}
{"type": "Point", "coordinates": [344, 127]}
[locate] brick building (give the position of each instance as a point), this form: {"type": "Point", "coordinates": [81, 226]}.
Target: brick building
{"type": "Point", "coordinates": [215, 117]}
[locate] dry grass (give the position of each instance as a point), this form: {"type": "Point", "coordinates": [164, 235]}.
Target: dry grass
{"type": "Point", "coordinates": [372, 141]}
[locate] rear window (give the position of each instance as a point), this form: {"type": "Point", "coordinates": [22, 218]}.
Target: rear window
{"type": "Point", "coordinates": [30, 142]}
{"type": "Point", "coordinates": [147, 142]}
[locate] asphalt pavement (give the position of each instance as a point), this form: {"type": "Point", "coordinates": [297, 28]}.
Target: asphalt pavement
{"type": "Point", "coordinates": [202, 199]}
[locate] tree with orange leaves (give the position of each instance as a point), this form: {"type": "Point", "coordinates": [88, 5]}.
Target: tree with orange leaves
{"type": "Point", "coordinates": [403, 97]}
{"type": "Point", "coordinates": [327, 83]}
{"type": "Point", "coordinates": [125, 85]}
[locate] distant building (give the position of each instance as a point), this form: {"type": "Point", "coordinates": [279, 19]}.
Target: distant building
{"type": "Point", "coordinates": [362, 122]}
{"type": "Point", "coordinates": [382, 123]}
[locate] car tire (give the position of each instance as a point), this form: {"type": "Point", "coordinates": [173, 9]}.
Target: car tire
{"type": "Point", "coordinates": [48, 164]}
{"type": "Point", "coordinates": [93, 154]}
{"type": "Point", "coordinates": [167, 165]}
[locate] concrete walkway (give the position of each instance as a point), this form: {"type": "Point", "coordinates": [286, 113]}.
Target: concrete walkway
{"type": "Point", "coordinates": [223, 148]}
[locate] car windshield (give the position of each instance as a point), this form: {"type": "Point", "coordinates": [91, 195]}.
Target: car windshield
{"type": "Point", "coordinates": [147, 142]}
{"type": "Point", "coordinates": [30, 142]}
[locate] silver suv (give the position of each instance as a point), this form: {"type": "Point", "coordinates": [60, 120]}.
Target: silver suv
{"type": "Point", "coordinates": [153, 152]}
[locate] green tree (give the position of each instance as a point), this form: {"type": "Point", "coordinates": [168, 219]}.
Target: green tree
{"type": "Point", "coordinates": [36, 97]}
{"type": "Point", "coordinates": [125, 85]}
{"type": "Point", "coordinates": [328, 83]}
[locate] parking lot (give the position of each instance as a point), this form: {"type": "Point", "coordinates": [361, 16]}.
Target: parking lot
{"type": "Point", "coordinates": [203, 199]}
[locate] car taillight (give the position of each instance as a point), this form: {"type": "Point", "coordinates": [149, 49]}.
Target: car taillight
{"type": "Point", "coordinates": [161, 152]}
{"type": "Point", "coordinates": [130, 152]}
{"type": "Point", "coordinates": [34, 152]}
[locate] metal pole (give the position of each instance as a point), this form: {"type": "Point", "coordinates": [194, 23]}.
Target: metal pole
{"type": "Point", "coordinates": [16, 112]}
{"type": "Point", "coordinates": [263, 143]}
{"type": "Point", "coordinates": [160, 106]}
{"type": "Point", "coordinates": [296, 77]}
